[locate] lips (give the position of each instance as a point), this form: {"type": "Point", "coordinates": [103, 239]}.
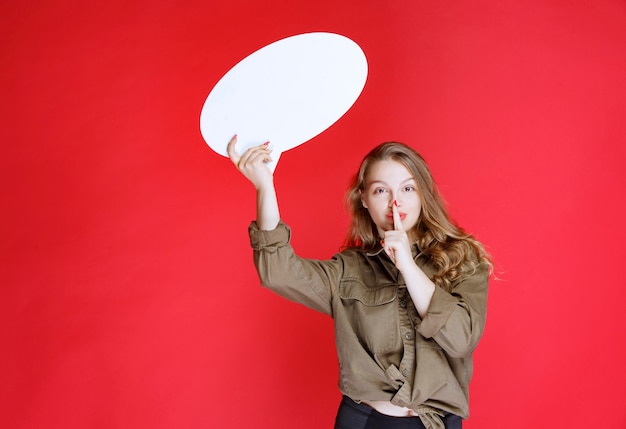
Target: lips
{"type": "Point", "coordinates": [402, 216]}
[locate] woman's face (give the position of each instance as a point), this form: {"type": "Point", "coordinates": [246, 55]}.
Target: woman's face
{"type": "Point", "coordinates": [386, 181]}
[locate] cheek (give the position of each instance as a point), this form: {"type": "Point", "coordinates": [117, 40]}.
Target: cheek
{"type": "Point", "coordinates": [376, 212]}
{"type": "Point", "coordinates": [372, 204]}
{"type": "Point", "coordinates": [417, 210]}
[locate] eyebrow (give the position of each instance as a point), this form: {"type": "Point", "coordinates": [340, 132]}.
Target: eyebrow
{"type": "Point", "coordinates": [410, 179]}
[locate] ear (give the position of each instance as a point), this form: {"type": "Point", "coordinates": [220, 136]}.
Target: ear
{"type": "Point", "coordinates": [363, 201]}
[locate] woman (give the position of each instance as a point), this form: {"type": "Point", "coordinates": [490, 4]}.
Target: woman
{"type": "Point", "coordinates": [408, 293]}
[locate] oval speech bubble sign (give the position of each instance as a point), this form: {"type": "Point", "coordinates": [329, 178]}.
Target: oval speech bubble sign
{"type": "Point", "coordinates": [286, 92]}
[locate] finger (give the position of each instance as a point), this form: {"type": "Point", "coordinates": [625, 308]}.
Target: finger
{"type": "Point", "coordinates": [391, 253]}
{"type": "Point", "coordinates": [230, 149]}
{"type": "Point", "coordinates": [267, 151]}
{"type": "Point", "coordinates": [397, 222]}
{"type": "Point", "coordinates": [387, 245]}
{"type": "Point", "coordinates": [257, 157]}
{"type": "Point", "coordinates": [254, 154]}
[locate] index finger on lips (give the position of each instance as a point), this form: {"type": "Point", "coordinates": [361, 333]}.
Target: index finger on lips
{"type": "Point", "coordinates": [397, 222]}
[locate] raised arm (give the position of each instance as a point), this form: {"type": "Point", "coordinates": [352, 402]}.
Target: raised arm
{"type": "Point", "coordinates": [252, 164]}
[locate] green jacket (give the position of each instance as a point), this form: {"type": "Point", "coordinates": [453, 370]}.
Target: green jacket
{"type": "Point", "coordinates": [386, 350]}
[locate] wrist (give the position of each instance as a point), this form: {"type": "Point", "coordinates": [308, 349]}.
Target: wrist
{"type": "Point", "coordinates": [265, 186]}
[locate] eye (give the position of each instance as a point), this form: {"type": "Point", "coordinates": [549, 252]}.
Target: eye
{"type": "Point", "coordinates": [379, 191]}
{"type": "Point", "coordinates": [409, 188]}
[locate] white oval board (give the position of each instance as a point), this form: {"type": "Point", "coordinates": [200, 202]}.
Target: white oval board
{"type": "Point", "coordinates": [286, 92]}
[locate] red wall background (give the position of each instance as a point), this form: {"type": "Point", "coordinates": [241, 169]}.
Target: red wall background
{"type": "Point", "coordinates": [128, 295]}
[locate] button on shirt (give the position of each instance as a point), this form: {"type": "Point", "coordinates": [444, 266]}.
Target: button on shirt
{"type": "Point", "coordinates": [386, 351]}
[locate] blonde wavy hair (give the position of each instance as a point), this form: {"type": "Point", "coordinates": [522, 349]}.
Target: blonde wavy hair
{"type": "Point", "coordinates": [454, 253]}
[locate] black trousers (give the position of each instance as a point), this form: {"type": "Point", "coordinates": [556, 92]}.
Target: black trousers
{"type": "Point", "coordinates": [360, 416]}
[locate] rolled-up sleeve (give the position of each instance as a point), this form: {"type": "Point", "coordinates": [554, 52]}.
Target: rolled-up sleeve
{"type": "Point", "coordinates": [309, 282]}
{"type": "Point", "coordinates": [456, 320]}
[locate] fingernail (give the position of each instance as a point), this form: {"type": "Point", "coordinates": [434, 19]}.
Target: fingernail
{"type": "Point", "coordinates": [266, 143]}
{"type": "Point", "coordinates": [395, 203]}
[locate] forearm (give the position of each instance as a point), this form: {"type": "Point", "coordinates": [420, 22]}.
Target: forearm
{"type": "Point", "coordinates": [267, 213]}
{"type": "Point", "coordinates": [420, 287]}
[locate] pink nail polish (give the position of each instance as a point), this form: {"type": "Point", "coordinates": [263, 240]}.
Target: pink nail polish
{"type": "Point", "coordinates": [266, 143]}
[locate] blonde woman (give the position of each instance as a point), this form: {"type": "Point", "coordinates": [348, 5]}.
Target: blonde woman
{"type": "Point", "coordinates": [408, 293]}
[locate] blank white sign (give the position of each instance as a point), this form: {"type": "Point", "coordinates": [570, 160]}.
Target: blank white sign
{"type": "Point", "coordinates": [287, 93]}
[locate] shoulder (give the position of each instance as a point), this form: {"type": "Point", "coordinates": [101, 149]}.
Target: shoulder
{"type": "Point", "coordinates": [475, 278]}
{"type": "Point", "coordinates": [354, 254]}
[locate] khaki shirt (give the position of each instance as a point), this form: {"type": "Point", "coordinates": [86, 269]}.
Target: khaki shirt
{"type": "Point", "coordinates": [386, 351]}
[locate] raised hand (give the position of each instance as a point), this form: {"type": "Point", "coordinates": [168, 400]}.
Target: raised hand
{"type": "Point", "coordinates": [253, 163]}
